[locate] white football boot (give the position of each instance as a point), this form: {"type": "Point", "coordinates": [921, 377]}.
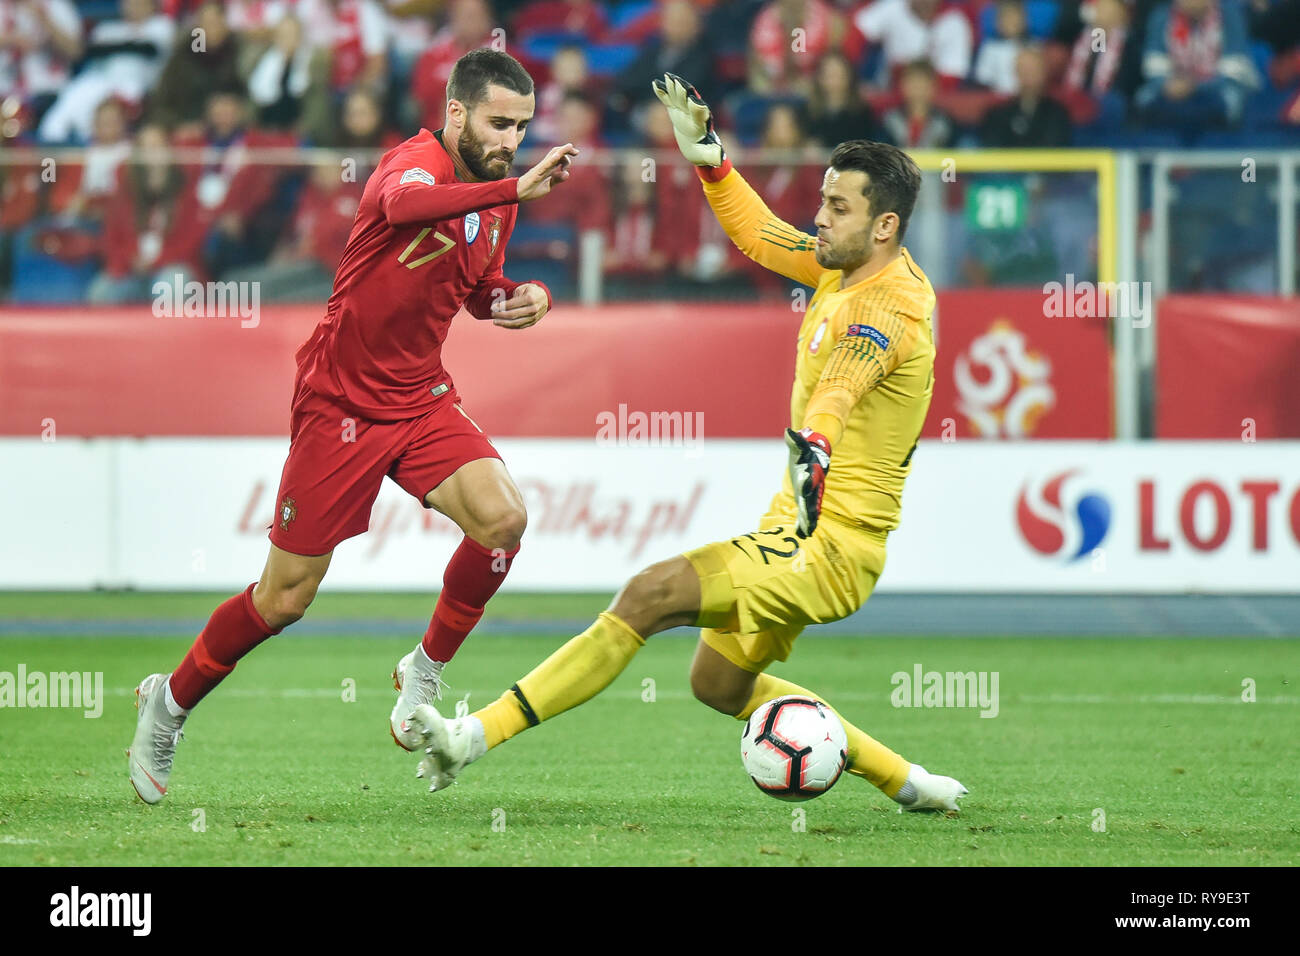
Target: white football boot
{"type": "Point", "coordinates": [929, 791]}
{"type": "Point", "coordinates": [416, 683]}
{"type": "Point", "coordinates": [154, 744]}
{"type": "Point", "coordinates": [448, 744]}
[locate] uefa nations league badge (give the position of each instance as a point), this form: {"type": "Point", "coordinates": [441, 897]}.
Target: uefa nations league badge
{"type": "Point", "coordinates": [471, 228]}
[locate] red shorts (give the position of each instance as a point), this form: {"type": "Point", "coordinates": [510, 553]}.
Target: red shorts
{"type": "Point", "coordinates": [338, 460]}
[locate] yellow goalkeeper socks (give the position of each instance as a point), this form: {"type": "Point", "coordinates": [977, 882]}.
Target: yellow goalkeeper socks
{"type": "Point", "coordinates": [575, 673]}
{"type": "Point", "coordinates": [868, 757]}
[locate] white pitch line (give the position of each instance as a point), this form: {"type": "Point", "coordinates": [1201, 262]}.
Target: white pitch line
{"type": "Point", "coordinates": [858, 696]}
{"type": "Point", "coordinates": [249, 692]}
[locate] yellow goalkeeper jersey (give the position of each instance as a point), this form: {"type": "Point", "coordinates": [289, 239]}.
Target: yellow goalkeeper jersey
{"type": "Point", "coordinates": [864, 355]}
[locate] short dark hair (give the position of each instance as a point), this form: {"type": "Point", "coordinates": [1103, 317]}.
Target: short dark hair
{"type": "Point", "coordinates": [478, 69]}
{"type": "Point", "coordinates": [893, 179]}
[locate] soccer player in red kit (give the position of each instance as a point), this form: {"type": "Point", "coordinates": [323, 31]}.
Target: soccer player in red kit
{"type": "Point", "coordinates": [372, 398]}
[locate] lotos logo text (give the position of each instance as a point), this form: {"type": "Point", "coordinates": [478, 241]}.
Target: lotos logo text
{"type": "Point", "coordinates": [1057, 518]}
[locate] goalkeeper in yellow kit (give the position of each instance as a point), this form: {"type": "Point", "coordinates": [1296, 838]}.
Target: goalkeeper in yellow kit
{"type": "Point", "coordinates": [863, 381]}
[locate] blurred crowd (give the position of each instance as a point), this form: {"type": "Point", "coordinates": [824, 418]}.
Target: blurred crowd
{"type": "Point", "coordinates": [170, 98]}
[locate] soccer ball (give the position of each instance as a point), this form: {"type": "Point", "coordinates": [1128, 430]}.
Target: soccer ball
{"type": "Point", "coordinates": [794, 748]}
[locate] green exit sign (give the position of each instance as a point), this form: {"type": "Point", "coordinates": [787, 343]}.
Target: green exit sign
{"type": "Point", "coordinates": [994, 207]}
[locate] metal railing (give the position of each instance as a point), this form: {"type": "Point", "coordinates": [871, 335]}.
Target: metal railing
{"type": "Point", "coordinates": [1099, 192]}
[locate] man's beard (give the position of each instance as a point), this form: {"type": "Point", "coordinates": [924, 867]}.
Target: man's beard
{"type": "Point", "coordinates": [472, 152]}
{"type": "Point", "coordinates": [846, 259]}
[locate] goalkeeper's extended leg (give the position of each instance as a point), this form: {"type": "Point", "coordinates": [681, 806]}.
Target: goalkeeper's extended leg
{"type": "Point", "coordinates": [664, 595]}
{"type": "Point", "coordinates": [731, 689]}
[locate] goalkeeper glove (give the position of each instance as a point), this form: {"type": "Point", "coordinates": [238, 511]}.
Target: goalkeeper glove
{"type": "Point", "coordinates": [810, 460]}
{"type": "Point", "coordinates": [692, 121]}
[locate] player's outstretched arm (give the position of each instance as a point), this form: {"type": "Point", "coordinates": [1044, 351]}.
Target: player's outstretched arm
{"type": "Point", "coordinates": [753, 227]}
{"type": "Point", "coordinates": [410, 195]}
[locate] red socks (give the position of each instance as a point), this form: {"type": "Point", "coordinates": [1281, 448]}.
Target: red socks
{"type": "Point", "coordinates": [234, 629]}
{"type": "Point", "coordinates": [473, 575]}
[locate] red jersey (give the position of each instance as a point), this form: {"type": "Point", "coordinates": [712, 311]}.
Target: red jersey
{"type": "Point", "coordinates": [423, 245]}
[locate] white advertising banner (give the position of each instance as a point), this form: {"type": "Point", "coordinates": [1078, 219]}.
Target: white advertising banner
{"type": "Point", "coordinates": [1100, 517]}
{"type": "Point", "coordinates": [977, 516]}
{"type": "Point", "coordinates": [57, 506]}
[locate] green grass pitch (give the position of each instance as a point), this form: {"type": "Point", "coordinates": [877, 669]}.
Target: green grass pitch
{"type": "Point", "coordinates": [1150, 737]}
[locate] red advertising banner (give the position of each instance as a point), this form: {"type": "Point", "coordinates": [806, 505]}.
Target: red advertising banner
{"type": "Point", "coordinates": [1004, 370]}
{"type": "Point", "coordinates": [123, 371]}
{"type": "Point", "coordinates": [1228, 366]}
{"type": "Point", "coordinates": [1010, 366]}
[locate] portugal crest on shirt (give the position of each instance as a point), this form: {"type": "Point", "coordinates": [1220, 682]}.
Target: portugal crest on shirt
{"type": "Point", "coordinates": [494, 233]}
{"type": "Point", "coordinates": [471, 228]}
{"type": "Point", "coordinates": [288, 511]}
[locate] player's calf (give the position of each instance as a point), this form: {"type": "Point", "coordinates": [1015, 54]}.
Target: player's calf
{"type": "Point", "coordinates": [718, 683]}
{"type": "Point", "coordinates": [663, 595]}
{"type": "Point", "coordinates": [717, 698]}
{"type": "Point", "coordinates": [233, 630]}
{"type": "Point", "coordinates": [282, 605]}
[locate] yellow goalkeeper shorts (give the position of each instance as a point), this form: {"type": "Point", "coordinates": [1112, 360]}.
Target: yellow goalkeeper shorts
{"type": "Point", "coordinates": [760, 590]}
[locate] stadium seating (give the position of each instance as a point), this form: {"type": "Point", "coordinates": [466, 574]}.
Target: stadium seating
{"type": "Point", "coordinates": [42, 279]}
{"type": "Point", "coordinates": [1040, 17]}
